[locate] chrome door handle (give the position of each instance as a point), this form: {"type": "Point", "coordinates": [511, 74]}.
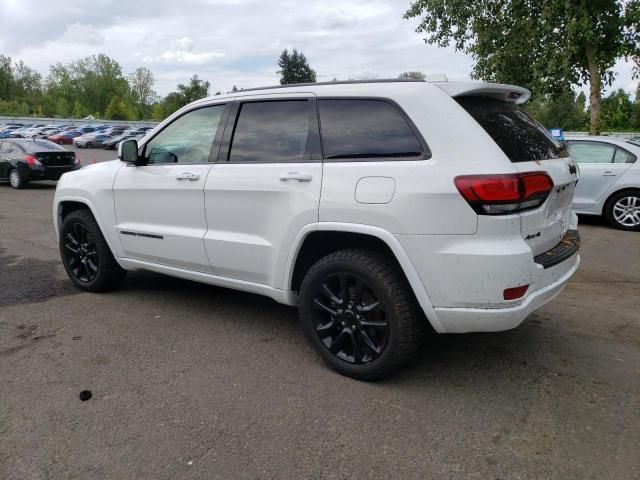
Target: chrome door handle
{"type": "Point", "coordinates": [192, 177]}
{"type": "Point", "coordinates": [608, 173]}
{"type": "Point", "coordinates": [296, 177]}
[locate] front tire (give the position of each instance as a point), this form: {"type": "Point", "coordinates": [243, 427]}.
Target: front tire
{"type": "Point", "coordinates": [16, 179]}
{"type": "Point", "coordinates": [85, 254]}
{"type": "Point", "coordinates": [357, 310]}
{"type": "Point", "coordinates": [622, 211]}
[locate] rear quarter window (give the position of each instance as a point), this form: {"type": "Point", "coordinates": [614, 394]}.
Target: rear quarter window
{"type": "Point", "coordinates": [366, 128]}
{"type": "Point", "coordinates": [519, 136]}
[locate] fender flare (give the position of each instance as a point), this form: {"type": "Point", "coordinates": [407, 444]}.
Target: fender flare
{"type": "Point", "coordinates": [388, 238]}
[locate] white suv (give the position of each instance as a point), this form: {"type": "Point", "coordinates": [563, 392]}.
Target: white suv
{"type": "Point", "coordinates": [377, 208]}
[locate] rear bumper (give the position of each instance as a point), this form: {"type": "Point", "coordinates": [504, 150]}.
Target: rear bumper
{"type": "Point", "coordinates": [463, 320]}
{"type": "Point", "coordinates": [49, 173]}
{"type": "Point", "coordinates": [465, 276]}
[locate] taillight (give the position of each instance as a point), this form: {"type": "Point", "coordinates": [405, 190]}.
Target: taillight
{"type": "Point", "coordinates": [515, 292]}
{"type": "Point", "coordinates": [76, 161]}
{"type": "Point", "coordinates": [502, 194]}
{"type": "Point", "coordinates": [31, 160]}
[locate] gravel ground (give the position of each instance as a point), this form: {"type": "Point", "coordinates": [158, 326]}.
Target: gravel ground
{"type": "Point", "coordinates": [197, 382]}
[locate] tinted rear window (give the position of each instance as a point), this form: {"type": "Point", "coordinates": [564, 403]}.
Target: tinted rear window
{"type": "Point", "coordinates": [520, 137]}
{"type": "Point", "coordinates": [365, 128]}
{"type": "Point", "coordinates": [41, 146]}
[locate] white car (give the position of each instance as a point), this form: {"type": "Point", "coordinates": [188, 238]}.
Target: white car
{"type": "Point", "coordinates": [377, 208]}
{"type": "Point", "coordinates": [609, 179]}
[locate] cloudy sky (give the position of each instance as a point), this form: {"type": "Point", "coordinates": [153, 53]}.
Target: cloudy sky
{"type": "Point", "coordinates": [230, 42]}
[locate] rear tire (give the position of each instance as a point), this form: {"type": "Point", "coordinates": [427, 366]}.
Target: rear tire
{"type": "Point", "coordinates": [358, 311]}
{"type": "Point", "coordinates": [85, 254]}
{"type": "Point", "coordinates": [622, 210]}
{"type": "Point", "coordinates": [16, 180]}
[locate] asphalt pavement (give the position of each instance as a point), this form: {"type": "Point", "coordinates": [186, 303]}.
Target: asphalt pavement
{"type": "Point", "coordinates": [196, 382]}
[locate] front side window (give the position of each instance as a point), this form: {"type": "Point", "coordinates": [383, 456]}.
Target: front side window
{"type": "Point", "coordinates": [188, 139]}
{"type": "Point", "coordinates": [591, 152]}
{"type": "Point", "coordinates": [273, 131]}
{"type": "Point", "coordinates": [363, 128]}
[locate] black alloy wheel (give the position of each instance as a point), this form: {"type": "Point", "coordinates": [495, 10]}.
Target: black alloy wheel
{"type": "Point", "coordinates": [86, 255]}
{"type": "Point", "coordinates": [359, 313]}
{"type": "Point", "coordinates": [349, 319]}
{"type": "Point", "coordinates": [81, 255]}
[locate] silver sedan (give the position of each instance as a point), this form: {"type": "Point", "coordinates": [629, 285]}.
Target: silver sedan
{"type": "Point", "coordinates": [609, 182]}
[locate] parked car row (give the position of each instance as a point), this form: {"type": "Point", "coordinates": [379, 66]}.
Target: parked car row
{"type": "Point", "coordinates": [81, 136]}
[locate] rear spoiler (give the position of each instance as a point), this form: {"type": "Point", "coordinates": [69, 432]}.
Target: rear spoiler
{"type": "Point", "coordinates": [506, 93]}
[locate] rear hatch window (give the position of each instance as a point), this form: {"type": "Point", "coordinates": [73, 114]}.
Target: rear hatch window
{"type": "Point", "coordinates": [38, 146]}
{"type": "Point", "coordinates": [520, 137]}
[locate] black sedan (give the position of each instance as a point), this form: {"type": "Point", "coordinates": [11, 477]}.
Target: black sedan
{"type": "Point", "coordinates": [23, 161]}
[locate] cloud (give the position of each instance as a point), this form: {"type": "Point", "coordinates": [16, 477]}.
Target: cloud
{"type": "Point", "coordinates": [183, 56]}
{"type": "Point", "coordinates": [87, 34]}
{"type": "Point", "coordinates": [230, 42]}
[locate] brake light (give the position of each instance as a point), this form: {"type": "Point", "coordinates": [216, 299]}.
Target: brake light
{"type": "Point", "coordinates": [31, 161]}
{"type": "Point", "coordinates": [502, 194]}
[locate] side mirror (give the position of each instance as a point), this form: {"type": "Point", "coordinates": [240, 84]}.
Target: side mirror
{"type": "Point", "coordinates": [128, 151]}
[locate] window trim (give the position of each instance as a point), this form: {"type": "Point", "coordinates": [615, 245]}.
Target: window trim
{"type": "Point", "coordinates": [315, 153]}
{"type": "Point", "coordinates": [615, 146]}
{"type": "Point", "coordinates": [426, 151]}
{"type": "Point", "coordinates": [217, 137]}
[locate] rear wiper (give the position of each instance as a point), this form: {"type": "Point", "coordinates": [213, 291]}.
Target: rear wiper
{"type": "Point", "coordinates": [375, 155]}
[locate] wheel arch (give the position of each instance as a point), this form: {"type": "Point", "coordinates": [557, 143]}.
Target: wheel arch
{"type": "Point", "coordinates": [605, 204]}
{"type": "Point", "coordinates": [318, 240]}
{"type": "Point", "coordinates": [66, 205]}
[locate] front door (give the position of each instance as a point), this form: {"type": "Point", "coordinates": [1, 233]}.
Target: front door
{"type": "Point", "coordinates": [264, 188]}
{"type": "Point", "coordinates": [160, 205]}
{"type": "Point", "coordinates": [601, 165]}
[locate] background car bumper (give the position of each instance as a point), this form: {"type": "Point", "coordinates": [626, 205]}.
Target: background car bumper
{"type": "Point", "coordinates": [50, 173]}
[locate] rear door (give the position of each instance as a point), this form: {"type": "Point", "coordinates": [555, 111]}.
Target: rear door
{"type": "Point", "coordinates": [601, 165]}
{"type": "Point", "coordinates": [264, 188]}
{"type": "Point", "coordinates": [160, 205]}
{"type": "Point", "coordinates": [530, 148]}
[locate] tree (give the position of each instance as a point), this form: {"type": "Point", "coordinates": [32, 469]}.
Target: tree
{"type": "Point", "coordinates": [194, 90]}
{"type": "Point", "coordinates": [294, 68]}
{"type": "Point", "coordinates": [546, 46]}
{"type": "Point", "coordinates": [141, 84]}
{"type": "Point", "coordinates": [26, 81]}
{"type": "Point", "coordinates": [412, 76]}
{"type": "Point", "coordinates": [117, 109]}
{"type": "Point", "coordinates": [565, 110]}
{"type": "Point", "coordinates": [6, 77]}
{"type": "Point", "coordinates": [617, 111]}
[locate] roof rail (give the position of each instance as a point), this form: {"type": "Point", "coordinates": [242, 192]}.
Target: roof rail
{"type": "Point", "coordinates": [337, 82]}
